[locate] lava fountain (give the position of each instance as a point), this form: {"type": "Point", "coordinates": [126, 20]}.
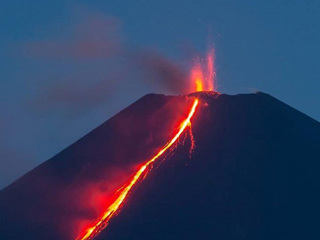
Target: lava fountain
{"type": "Point", "coordinates": [203, 72]}
{"type": "Point", "coordinates": [203, 76]}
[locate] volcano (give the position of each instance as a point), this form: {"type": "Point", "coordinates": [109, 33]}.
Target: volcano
{"type": "Point", "coordinates": [246, 168]}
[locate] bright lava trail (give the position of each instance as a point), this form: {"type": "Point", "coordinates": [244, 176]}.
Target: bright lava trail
{"type": "Point", "coordinates": [103, 220]}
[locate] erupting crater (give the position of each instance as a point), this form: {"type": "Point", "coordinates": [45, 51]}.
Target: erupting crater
{"type": "Point", "coordinates": [246, 178]}
{"type": "Point", "coordinates": [203, 79]}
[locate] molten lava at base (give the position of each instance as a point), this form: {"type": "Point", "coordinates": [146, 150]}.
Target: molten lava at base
{"type": "Point", "coordinates": [103, 220]}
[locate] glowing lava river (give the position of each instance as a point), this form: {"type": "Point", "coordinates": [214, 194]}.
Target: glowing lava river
{"type": "Point", "coordinates": [103, 220]}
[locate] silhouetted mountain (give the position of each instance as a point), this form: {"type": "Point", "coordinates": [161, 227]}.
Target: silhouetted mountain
{"type": "Point", "coordinates": [253, 175]}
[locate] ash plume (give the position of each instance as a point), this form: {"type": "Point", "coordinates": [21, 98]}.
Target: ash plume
{"type": "Point", "coordinates": [95, 64]}
{"type": "Point", "coordinates": [162, 72]}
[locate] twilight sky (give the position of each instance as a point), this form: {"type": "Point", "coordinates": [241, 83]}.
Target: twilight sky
{"type": "Point", "coordinates": [67, 66]}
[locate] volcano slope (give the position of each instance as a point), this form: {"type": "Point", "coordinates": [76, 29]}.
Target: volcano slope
{"type": "Point", "coordinates": [253, 174]}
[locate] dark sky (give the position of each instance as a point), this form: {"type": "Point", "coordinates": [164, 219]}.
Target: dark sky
{"type": "Point", "coordinates": [67, 66]}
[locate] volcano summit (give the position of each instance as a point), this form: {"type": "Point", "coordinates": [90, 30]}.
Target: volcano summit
{"type": "Point", "coordinates": [243, 167]}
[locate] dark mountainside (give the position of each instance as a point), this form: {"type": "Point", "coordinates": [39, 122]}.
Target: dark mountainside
{"type": "Point", "coordinates": [253, 175]}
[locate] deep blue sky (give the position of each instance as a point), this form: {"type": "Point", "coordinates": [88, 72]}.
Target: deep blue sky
{"type": "Point", "coordinates": [90, 48]}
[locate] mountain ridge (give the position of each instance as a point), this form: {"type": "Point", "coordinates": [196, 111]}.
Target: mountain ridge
{"type": "Point", "coordinates": [240, 138]}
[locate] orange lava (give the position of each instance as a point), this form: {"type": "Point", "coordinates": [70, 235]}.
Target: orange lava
{"type": "Point", "coordinates": [103, 220]}
{"type": "Point", "coordinates": [203, 73]}
{"type": "Point", "coordinates": [197, 76]}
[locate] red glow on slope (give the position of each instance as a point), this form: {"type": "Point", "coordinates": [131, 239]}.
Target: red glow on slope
{"type": "Point", "coordinates": [203, 76]}
{"type": "Point", "coordinates": [103, 220]}
{"type": "Point", "coordinates": [203, 73]}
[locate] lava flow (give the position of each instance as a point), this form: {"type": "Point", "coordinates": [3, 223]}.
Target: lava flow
{"type": "Point", "coordinates": [203, 76]}
{"type": "Point", "coordinates": [102, 222]}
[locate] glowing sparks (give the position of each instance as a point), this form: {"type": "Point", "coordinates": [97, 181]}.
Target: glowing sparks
{"type": "Point", "coordinates": [211, 71]}
{"type": "Point", "coordinates": [102, 222]}
{"type": "Point", "coordinates": [203, 73]}
{"type": "Point", "coordinates": [197, 75]}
